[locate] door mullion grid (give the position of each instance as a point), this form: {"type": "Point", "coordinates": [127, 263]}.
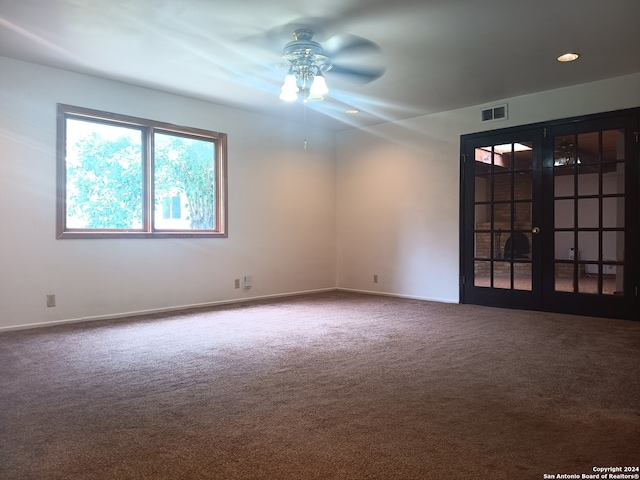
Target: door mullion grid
{"type": "Point", "coordinates": [600, 217]}
{"type": "Point", "coordinates": [595, 228]}
{"type": "Point", "coordinates": [576, 245]}
{"type": "Point", "coordinates": [513, 215]}
{"type": "Point", "coordinates": [492, 227]}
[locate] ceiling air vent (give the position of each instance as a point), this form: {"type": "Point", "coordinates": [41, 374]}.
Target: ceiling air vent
{"type": "Point", "coordinates": [498, 112]}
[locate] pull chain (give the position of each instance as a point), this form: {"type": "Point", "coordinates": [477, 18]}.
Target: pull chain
{"type": "Point", "coordinates": [304, 106]}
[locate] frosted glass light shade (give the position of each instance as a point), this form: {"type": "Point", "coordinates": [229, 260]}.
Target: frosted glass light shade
{"type": "Point", "coordinates": [288, 96]}
{"type": "Point", "coordinates": [290, 84]}
{"type": "Point", "coordinates": [319, 86]}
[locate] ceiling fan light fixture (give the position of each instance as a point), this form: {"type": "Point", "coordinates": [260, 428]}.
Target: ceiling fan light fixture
{"type": "Point", "coordinates": [307, 60]}
{"type": "Point", "coordinates": [288, 96]}
{"type": "Point", "coordinates": [289, 89]}
{"type": "Point", "coordinates": [290, 84]}
{"type": "Point", "coordinates": [319, 86]}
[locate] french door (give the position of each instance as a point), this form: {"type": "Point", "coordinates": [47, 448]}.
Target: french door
{"type": "Point", "coordinates": [502, 219]}
{"type": "Point", "coordinates": [549, 216]}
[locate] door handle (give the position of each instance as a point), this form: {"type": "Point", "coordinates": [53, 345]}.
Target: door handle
{"type": "Point", "coordinates": [535, 230]}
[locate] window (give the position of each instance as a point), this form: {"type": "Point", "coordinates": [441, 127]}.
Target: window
{"type": "Point", "coordinates": [121, 176]}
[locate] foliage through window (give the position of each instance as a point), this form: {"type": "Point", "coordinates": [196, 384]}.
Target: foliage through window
{"type": "Point", "coordinates": [121, 176]}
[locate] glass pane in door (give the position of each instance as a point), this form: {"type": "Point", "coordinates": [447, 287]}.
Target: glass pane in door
{"type": "Point", "coordinates": [589, 212]}
{"type": "Point", "coordinates": [503, 216]}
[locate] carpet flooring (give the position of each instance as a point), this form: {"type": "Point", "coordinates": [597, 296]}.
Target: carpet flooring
{"type": "Point", "coordinates": [335, 385]}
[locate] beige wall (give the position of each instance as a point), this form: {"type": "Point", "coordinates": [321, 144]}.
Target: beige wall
{"type": "Point", "coordinates": [281, 209]}
{"type": "Point", "coordinates": [398, 188]}
{"type": "Point", "coordinates": [381, 201]}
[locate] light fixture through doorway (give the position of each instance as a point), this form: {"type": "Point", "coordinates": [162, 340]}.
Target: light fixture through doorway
{"type": "Point", "coordinates": [568, 57]}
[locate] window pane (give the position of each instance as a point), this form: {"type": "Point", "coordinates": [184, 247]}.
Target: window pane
{"type": "Point", "coordinates": [588, 280]}
{"type": "Point", "coordinates": [588, 245]}
{"type": "Point", "coordinates": [588, 213]}
{"type": "Point", "coordinates": [522, 276]}
{"type": "Point", "coordinates": [483, 188]}
{"type": "Point", "coordinates": [523, 156]}
{"type": "Point", "coordinates": [502, 187]}
{"type": "Point", "coordinates": [613, 179]}
{"type": "Point", "coordinates": [613, 145]}
{"type": "Point", "coordinates": [103, 176]}
{"type": "Point", "coordinates": [564, 181]}
{"type": "Point", "coordinates": [564, 246]}
{"type": "Point", "coordinates": [612, 281]}
{"type": "Point", "coordinates": [523, 215]}
{"type": "Point", "coordinates": [588, 182]}
{"type": "Point", "coordinates": [588, 148]}
{"type": "Point", "coordinates": [502, 215]}
{"type": "Point", "coordinates": [502, 275]}
{"type": "Point", "coordinates": [613, 212]}
{"type": "Point", "coordinates": [564, 152]}
{"type": "Point", "coordinates": [482, 272]}
{"type": "Point", "coordinates": [563, 213]}
{"type": "Point", "coordinates": [184, 179]}
{"type": "Point", "coordinates": [483, 245]}
{"type": "Point", "coordinates": [483, 216]}
{"type": "Point", "coordinates": [613, 246]}
{"type": "Point", "coordinates": [564, 277]}
{"type": "Point", "coordinates": [523, 186]}
{"type": "Point", "coordinates": [502, 158]}
{"type": "Point", "coordinates": [484, 157]}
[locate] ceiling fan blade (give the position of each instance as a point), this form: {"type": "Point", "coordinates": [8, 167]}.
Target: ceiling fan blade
{"type": "Point", "coordinates": [343, 48]}
{"type": "Point", "coordinates": [347, 44]}
{"type": "Point", "coordinates": [359, 74]}
{"type": "Point", "coordinates": [268, 40]}
{"type": "Point", "coordinates": [275, 38]}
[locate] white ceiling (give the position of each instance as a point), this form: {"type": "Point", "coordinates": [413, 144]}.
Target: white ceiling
{"type": "Point", "coordinates": [438, 55]}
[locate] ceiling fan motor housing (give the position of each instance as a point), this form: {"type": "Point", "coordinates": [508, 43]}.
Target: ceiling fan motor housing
{"type": "Point", "coordinates": [305, 55]}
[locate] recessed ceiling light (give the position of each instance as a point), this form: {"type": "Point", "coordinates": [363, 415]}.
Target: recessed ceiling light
{"type": "Point", "coordinates": [352, 111]}
{"type": "Point", "coordinates": [568, 57]}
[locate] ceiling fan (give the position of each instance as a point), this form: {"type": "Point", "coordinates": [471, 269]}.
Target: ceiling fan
{"type": "Point", "coordinates": [307, 61]}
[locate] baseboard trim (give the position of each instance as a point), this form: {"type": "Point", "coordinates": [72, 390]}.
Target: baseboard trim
{"type": "Point", "coordinates": [397, 295]}
{"type": "Point", "coordinates": [151, 311]}
{"type": "Point", "coordinates": [179, 308]}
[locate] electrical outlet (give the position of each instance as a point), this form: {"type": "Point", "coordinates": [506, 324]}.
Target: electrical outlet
{"type": "Point", "coordinates": [51, 300]}
{"type": "Point", "coordinates": [375, 278]}
{"type": "Point", "coordinates": [247, 282]}
{"type": "Point", "coordinates": [237, 283]}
